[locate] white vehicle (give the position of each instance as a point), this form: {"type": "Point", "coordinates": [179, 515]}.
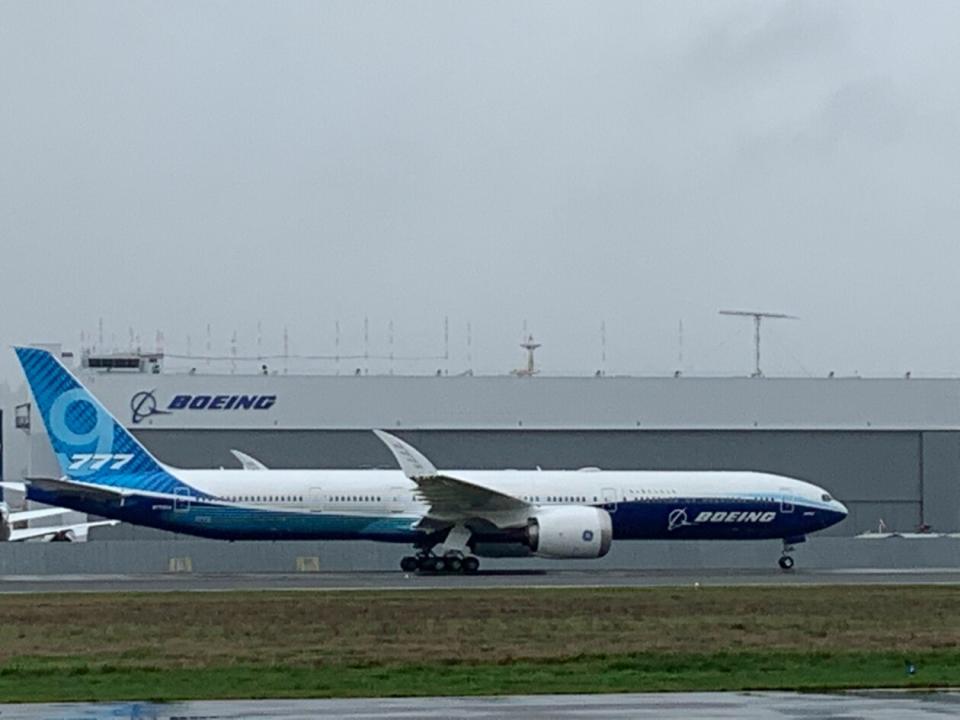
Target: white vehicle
{"type": "Point", "coordinates": [449, 517]}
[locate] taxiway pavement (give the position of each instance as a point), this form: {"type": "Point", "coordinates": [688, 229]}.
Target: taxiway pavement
{"type": "Point", "coordinates": [338, 581]}
{"type": "Point", "coordinates": [876, 705]}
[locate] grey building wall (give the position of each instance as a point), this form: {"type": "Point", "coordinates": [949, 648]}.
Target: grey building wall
{"type": "Point", "coordinates": [940, 479]}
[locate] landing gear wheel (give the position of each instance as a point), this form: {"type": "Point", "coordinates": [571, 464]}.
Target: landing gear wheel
{"type": "Point", "coordinates": [470, 565]}
{"type": "Point", "coordinates": [786, 563]}
{"type": "Point", "coordinates": [439, 565]}
{"type": "Point", "coordinates": [409, 564]}
{"type": "Point", "coordinates": [454, 564]}
{"type": "Point", "coordinates": [425, 563]}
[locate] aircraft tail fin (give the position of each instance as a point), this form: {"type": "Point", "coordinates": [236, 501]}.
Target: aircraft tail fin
{"type": "Point", "coordinates": [89, 443]}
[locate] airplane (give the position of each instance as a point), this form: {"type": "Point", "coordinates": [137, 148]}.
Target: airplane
{"type": "Point", "coordinates": [451, 518]}
{"type": "Point", "coordinates": [9, 520]}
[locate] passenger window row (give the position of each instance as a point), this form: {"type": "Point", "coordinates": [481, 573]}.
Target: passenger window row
{"type": "Point", "coordinates": [256, 498]}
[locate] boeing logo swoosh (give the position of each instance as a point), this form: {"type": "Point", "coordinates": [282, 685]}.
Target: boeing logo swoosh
{"type": "Point", "coordinates": [677, 519]}
{"type": "Point", "coordinates": [144, 405]}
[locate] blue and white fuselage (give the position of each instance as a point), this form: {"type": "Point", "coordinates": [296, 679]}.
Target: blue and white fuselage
{"type": "Point", "coordinates": [384, 505]}
{"type": "Point", "coordinates": [107, 472]}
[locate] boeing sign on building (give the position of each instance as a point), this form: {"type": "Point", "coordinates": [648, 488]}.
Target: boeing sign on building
{"type": "Point", "coordinates": [144, 403]}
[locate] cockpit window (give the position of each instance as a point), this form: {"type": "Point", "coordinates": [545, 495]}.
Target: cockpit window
{"type": "Point", "coordinates": [826, 498]}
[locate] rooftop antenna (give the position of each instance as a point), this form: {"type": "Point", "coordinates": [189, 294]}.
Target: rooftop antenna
{"type": "Point", "coordinates": [603, 347]}
{"type": "Point", "coordinates": [757, 317]}
{"type": "Point", "coordinates": [446, 343]}
{"type": "Point", "coordinates": [680, 346]}
{"type": "Point", "coordinates": [530, 346]}
{"type": "Point", "coordinates": [100, 334]}
{"type": "Point", "coordinates": [469, 347]}
{"type": "Point", "coordinates": [366, 344]}
{"type": "Point", "coordinates": [390, 333]}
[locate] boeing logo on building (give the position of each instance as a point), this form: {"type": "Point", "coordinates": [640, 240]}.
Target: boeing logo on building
{"type": "Point", "coordinates": [144, 404]}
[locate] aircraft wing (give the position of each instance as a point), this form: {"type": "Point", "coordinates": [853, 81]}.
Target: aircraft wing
{"type": "Point", "coordinates": [248, 461]}
{"type": "Point", "coordinates": [452, 497]}
{"type": "Point", "coordinates": [449, 497]}
{"type": "Point", "coordinates": [52, 530]}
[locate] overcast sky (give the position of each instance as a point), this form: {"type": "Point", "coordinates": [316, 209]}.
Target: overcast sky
{"type": "Point", "coordinates": [165, 165]}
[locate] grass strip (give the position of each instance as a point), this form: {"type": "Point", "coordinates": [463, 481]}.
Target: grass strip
{"type": "Point", "coordinates": [642, 672]}
{"type": "Point", "coordinates": [168, 646]}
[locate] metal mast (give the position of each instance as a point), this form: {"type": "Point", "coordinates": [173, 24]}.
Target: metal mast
{"type": "Point", "coordinates": [530, 346]}
{"type": "Point", "coordinates": [757, 318]}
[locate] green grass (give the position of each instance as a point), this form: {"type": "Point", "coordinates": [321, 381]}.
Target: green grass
{"type": "Point", "coordinates": [648, 672]}
{"type": "Point", "coordinates": [170, 646]}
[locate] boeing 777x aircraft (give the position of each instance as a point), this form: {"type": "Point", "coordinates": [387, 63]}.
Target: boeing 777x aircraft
{"type": "Point", "coordinates": [449, 517]}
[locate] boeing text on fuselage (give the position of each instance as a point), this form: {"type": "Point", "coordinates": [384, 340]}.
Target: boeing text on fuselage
{"type": "Point", "coordinates": [449, 516]}
{"type": "Point", "coordinates": [678, 518]}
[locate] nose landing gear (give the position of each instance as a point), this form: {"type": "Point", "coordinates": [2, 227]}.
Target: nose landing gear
{"type": "Point", "coordinates": [786, 559]}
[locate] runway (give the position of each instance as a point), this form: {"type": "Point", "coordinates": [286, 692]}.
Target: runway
{"type": "Point", "coordinates": [877, 705]}
{"type": "Point", "coordinates": [360, 581]}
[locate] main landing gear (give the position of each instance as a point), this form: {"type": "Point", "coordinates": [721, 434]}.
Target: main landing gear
{"type": "Point", "coordinates": [448, 564]}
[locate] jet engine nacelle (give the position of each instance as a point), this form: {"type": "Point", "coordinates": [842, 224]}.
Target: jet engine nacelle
{"type": "Point", "coordinates": [572, 531]}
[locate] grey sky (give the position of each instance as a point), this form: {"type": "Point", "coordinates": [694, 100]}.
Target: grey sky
{"type": "Point", "coordinates": [169, 164]}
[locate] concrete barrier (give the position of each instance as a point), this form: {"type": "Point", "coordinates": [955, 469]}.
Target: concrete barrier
{"type": "Point", "coordinates": [211, 556]}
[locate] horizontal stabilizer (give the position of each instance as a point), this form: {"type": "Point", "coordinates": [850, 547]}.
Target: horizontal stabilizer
{"type": "Point", "coordinates": [103, 493]}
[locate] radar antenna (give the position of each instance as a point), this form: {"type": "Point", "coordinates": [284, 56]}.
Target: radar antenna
{"type": "Point", "coordinates": [530, 346]}
{"type": "Point", "coordinates": [757, 317]}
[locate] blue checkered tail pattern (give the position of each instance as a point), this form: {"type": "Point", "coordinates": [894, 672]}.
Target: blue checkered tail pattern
{"type": "Point", "coordinates": [89, 443]}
